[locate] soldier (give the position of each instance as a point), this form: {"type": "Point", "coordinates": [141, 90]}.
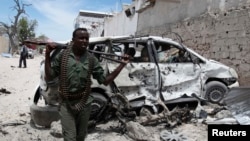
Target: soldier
{"type": "Point", "coordinates": [75, 82]}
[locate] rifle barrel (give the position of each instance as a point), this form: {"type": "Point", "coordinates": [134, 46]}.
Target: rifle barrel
{"type": "Point", "coordinates": [58, 45]}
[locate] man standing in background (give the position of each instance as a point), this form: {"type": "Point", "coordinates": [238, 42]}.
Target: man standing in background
{"type": "Point", "coordinates": [23, 55]}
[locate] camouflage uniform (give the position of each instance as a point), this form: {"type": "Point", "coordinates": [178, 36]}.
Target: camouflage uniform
{"type": "Point", "coordinates": [74, 124]}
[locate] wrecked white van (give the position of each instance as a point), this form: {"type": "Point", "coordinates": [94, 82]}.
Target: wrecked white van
{"type": "Point", "coordinates": [161, 69]}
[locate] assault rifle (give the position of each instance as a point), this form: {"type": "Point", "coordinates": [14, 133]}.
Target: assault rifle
{"type": "Point", "coordinates": [58, 45]}
{"type": "Point", "coordinates": [103, 55]}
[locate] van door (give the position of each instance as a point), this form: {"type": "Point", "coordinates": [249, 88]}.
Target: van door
{"type": "Point", "coordinates": [180, 76]}
{"type": "Point", "coordinates": [138, 80]}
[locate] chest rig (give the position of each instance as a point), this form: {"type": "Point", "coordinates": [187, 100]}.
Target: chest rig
{"type": "Point", "coordinates": [64, 89]}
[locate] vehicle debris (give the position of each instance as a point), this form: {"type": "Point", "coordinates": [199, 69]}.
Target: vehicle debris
{"type": "Point", "coordinates": [172, 136]}
{"type": "Point", "coordinates": [5, 91]}
{"type": "Point", "coordinates": [13, 123]}
{"type": "Point", "coordinates": [238, 102]}
{"type": "Point", "coordinates": [137, 132]}
{"type": "Point", "coordinates": [172, 118]}
{"type": "Point", "coordinates": [3, 131]}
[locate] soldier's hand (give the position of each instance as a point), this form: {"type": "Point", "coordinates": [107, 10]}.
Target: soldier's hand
{"type": "Point", "coordinates": [50, 47]}
{"type": "Point", "coordinates": [126, 58]}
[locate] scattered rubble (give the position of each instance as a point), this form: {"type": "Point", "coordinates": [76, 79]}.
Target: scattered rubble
{"type": "Point", "coordinates": [138, 129]}
{"type": "Point", "coordinates": [5, 91]}
{"type": "Point", "coordinates": [238, 103]}
{"type": "Point", "coordinates": [172, 136]}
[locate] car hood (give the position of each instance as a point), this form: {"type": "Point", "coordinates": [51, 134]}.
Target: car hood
{"type": "Point", "coordinates": [216, 62]}
{"type": "Point", "coordinates": [219, 70]}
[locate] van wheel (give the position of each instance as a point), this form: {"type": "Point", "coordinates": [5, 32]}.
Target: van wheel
{"type": "Point", "coordinates": [98, 105]}
{"type": "Point", "coordinates": [215, 91]}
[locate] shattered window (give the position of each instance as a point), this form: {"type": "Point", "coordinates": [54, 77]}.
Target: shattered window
{"type": "Point", "coordinates": [164, 51]}
{"type": "Point", "coordinates": [141, 54]}
{"type": "Point", "coordinates": [98, 48]}
{"type": "Point", "coordinates": [171, 54]}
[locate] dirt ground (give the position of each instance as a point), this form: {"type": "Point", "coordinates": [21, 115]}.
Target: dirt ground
{"type": "Point", "coordinates": [20, 85]}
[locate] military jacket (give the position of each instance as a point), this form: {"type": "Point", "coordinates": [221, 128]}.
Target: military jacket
{"type": "Point", "coordinates": [77, 71]}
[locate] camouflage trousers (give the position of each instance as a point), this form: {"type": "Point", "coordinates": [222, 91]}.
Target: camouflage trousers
{"type": "Point", "coordinates": [74, 124]}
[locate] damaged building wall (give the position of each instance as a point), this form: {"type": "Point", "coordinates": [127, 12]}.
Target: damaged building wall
{"type": "Point", "coordinates": [178, 10]}
{"type": "Point", "coordinates": [4, 44]}
{"type": "Point", "coordinates": [217, 29]}
{"type": "Point", "coordinates": [123, 23]}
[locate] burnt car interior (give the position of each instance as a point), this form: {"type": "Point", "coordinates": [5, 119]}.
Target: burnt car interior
{"type": "Point", "coordinates": [138, 51]}
{"type": "Point", "coordinates": [168, 53]}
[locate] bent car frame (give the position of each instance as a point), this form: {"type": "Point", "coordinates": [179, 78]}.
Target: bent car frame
{"type": "Point", "coordinates": [151, 75]}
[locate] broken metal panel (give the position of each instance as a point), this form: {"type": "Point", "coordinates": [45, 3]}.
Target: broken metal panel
{"type": "Point", "coordinates": [188, 88]}
{"type": "Point", "coordinates": [138, 82]}
{"type": "Point", "coordinates": [43, 84]}
{"type": "Point", "coordinates": [222, 121]}
{"type": "Point", "coordinates": [216, 69]}
{"type": "Point", "coordinates": [174, 74]}
{"type": "Point", "coordinates": [180, 79]}
{"type": "Point", "coordinates": [135, 74]}
{"type": "Point", "coordinates": [238, 102]}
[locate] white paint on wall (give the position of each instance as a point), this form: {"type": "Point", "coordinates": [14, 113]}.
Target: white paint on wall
{"type": "Point", "coordinates": [120, 24]}
{"type": "Point", "coordinates": [222, 5]}
{"type": "Point", "coordinates": [4, 44]}
{"type": "Point", "coordinates": [209, 3]}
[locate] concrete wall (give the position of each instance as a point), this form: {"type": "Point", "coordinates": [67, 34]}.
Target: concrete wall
{"type": "Point", "coordinates": [217, 29]}
{"type": "Point", "coordinates": [170, 11]}
{"type": "Point", "coordinates": [120, 24]}
{"type": "Point", "coordinates": [4, 44]}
